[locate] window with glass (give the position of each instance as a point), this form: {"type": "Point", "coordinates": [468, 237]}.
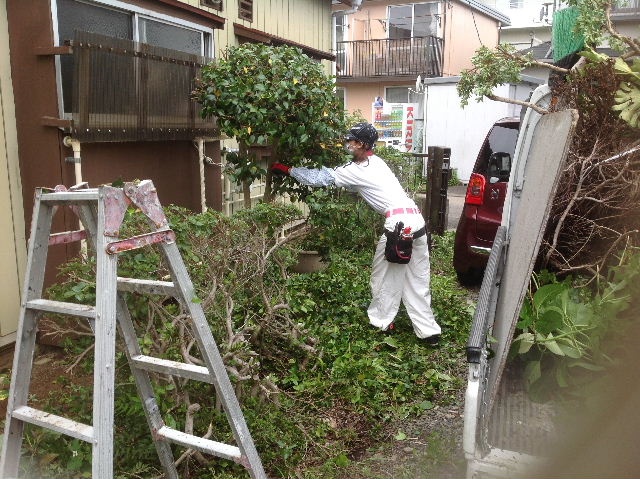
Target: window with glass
{"type": "Point", "coordinates": [341, 28]}
{"type": "Point", "coordinates": [410, 21]}
{"type": "Point", "coordinates": [496, 153]}
{"type": "Point", "coordinates": [397, 94]}
{"type": "Point", "coordinates": [217, 4]}
{"type": "Point", "coordinates": [340, 35]}
{"type": "Point", "coordinates": [117, 19]}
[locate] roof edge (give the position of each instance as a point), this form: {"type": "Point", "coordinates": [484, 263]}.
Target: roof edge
{"type": "Point", "coordinates": [487, 10]}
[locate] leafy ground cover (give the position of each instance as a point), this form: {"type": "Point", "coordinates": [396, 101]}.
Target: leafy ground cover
{"type": "Point", "coordinates": [361, 404]}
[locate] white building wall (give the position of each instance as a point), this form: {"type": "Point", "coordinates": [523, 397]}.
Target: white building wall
{"type": "Point", "coordinates": [525, 12]}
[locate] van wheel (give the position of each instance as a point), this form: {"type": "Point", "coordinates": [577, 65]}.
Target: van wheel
{"type": "Point", "coordinates": [470, 277]}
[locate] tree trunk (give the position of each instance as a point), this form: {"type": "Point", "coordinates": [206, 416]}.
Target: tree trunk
{"type": "Point", "coordinates": [246, 185]}
{"type": "Point", "coordinates": [268, 195]}
{"type": "Point", "coordinates": [246, 193]}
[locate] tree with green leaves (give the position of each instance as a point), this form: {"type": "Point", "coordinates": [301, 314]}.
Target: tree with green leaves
{"type": "Point", "coordinates": [593, 26]}
{"type": "Point", "coordinates": [277, 97]}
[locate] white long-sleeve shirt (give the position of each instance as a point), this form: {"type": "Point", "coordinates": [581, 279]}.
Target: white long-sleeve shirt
{"type": "Point", "coordinates": [371, 179]}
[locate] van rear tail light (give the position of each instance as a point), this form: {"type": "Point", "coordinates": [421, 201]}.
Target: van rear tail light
{"type": "Point", "coordinates": [475, 190]}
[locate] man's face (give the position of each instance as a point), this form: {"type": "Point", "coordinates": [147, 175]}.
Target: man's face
{"type": "Point", "coordinates": [353, 145]}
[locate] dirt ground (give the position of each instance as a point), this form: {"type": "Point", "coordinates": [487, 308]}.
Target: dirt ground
{"type": "Point", "coordinates": [432, 447]}
{"type": "Point", "coordinates": [50, 363]}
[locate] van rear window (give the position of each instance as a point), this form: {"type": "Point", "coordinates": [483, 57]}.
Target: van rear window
{"type": "Point", "coordinates": [497, 152]}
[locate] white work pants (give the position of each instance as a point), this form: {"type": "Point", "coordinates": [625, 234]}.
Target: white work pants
{"type": "Point", "coordinates": [392, 282]}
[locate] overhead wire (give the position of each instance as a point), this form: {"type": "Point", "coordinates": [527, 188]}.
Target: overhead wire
{"type": "Point", "coordinates": [475, 25]}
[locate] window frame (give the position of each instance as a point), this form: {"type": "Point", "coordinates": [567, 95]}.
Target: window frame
{"type": "Point", "coordinates": [413, 17]}
{"type": "Point", "coordinates": [386, 96]}
{"type": "Point", "coordinates": [242, 15]}
{"type": "Point", "coordinates": [208, 45]}
{"type": "Point", "coordinates": [215, 4]}
{"type": "Point", "coordinates": [341, 56]}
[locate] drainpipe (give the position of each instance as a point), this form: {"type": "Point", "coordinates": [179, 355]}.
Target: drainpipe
{"type": "Point", "coordinates": [77, 163]}
{"type": "Point", "coordinates": [77, 166]}
{"type": "Point", "coordinates": [201, 155]}
{"type": "Point", "coordinates": [355, 6]}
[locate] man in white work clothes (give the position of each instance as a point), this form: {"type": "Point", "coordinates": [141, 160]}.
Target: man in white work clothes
{"type": "Point", "coordinates": [369, 176]}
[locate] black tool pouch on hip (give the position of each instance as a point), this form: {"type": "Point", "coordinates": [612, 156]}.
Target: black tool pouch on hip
{"type": "Point", "coordinates": [398, 247]}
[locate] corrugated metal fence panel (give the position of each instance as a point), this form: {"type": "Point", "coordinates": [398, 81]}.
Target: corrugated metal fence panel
{"type": "Point", "coordinates": [129, 91]}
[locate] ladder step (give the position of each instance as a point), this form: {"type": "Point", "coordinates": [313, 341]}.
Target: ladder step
{"type": "Point", "coordinates": [173, 368]}
{"type": "Point", "coordinates": [73, 309]}
{"type": "Point", "coordinates": [70, 196]}
{"type": "Point", "coordinates": [148, 286]}
{"type": "Point", "coordinates": [219, 449]}
{"type": "Point", "coordinates": [53, 422]}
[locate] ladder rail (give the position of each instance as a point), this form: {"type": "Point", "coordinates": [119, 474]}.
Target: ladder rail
{"type": "Point", "coordinates": [145, 390]}
{"type": "Point", "coordinates": [26, 335]}
{"type": "Point", "coordinates": [88, 216]}
{"type": "Point", "coordinates": [213, 361]}
{"type": "Point", "coordinates": [104, 351]}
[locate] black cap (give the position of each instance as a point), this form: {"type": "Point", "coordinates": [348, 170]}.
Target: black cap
{"type": "Point", "coordinates": [364, 132]}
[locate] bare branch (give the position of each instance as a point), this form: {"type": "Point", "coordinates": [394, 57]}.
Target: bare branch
{"type": "Point", "coordinates": [79, 358]}
{"type": "Point", "coordinates": [631, 42]}
{"type": "Point", "coordinates": [540, 110]}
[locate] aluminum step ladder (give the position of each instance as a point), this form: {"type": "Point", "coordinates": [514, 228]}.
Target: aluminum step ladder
{"type": "Point", "coordinates": [101, 212]}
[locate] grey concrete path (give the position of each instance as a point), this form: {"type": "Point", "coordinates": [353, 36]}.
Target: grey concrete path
{"type": "Point", "coordinates": [455, 195]}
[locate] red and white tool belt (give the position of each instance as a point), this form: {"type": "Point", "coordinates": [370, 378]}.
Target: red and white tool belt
{"type": "Point", "coordinates": [401, 211]}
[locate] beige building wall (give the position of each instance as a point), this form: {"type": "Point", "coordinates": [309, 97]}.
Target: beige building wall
{"type": "Point", "coordinates": [12, 238]}
{"type": "Point", "coordinates": [361, 95]}
{"type": "Point", "coordinates": [302, 21]}
{"type": "Point", "coordinates": [461, 27]}
{"type": "Point", "coordinates": [465, 31]}
{"type": "Point", "coordinates": [369, 23]}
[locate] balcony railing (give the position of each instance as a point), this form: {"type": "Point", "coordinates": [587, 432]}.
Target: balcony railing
{"type": "Point", "coordinates": [624, 8]}
{"type": "Point", "coordinates": [387, 57]}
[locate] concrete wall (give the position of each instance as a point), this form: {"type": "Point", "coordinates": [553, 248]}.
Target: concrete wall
{"type": "Point", "coordinates": [12, 237]}
{"type": "Point", "coordinates": [526, 15]}
{"type": "Point", "coordinates": [628, 27]}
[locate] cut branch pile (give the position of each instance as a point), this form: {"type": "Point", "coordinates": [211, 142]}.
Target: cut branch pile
{"type": "Point", "coordinates": [596, 211]}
